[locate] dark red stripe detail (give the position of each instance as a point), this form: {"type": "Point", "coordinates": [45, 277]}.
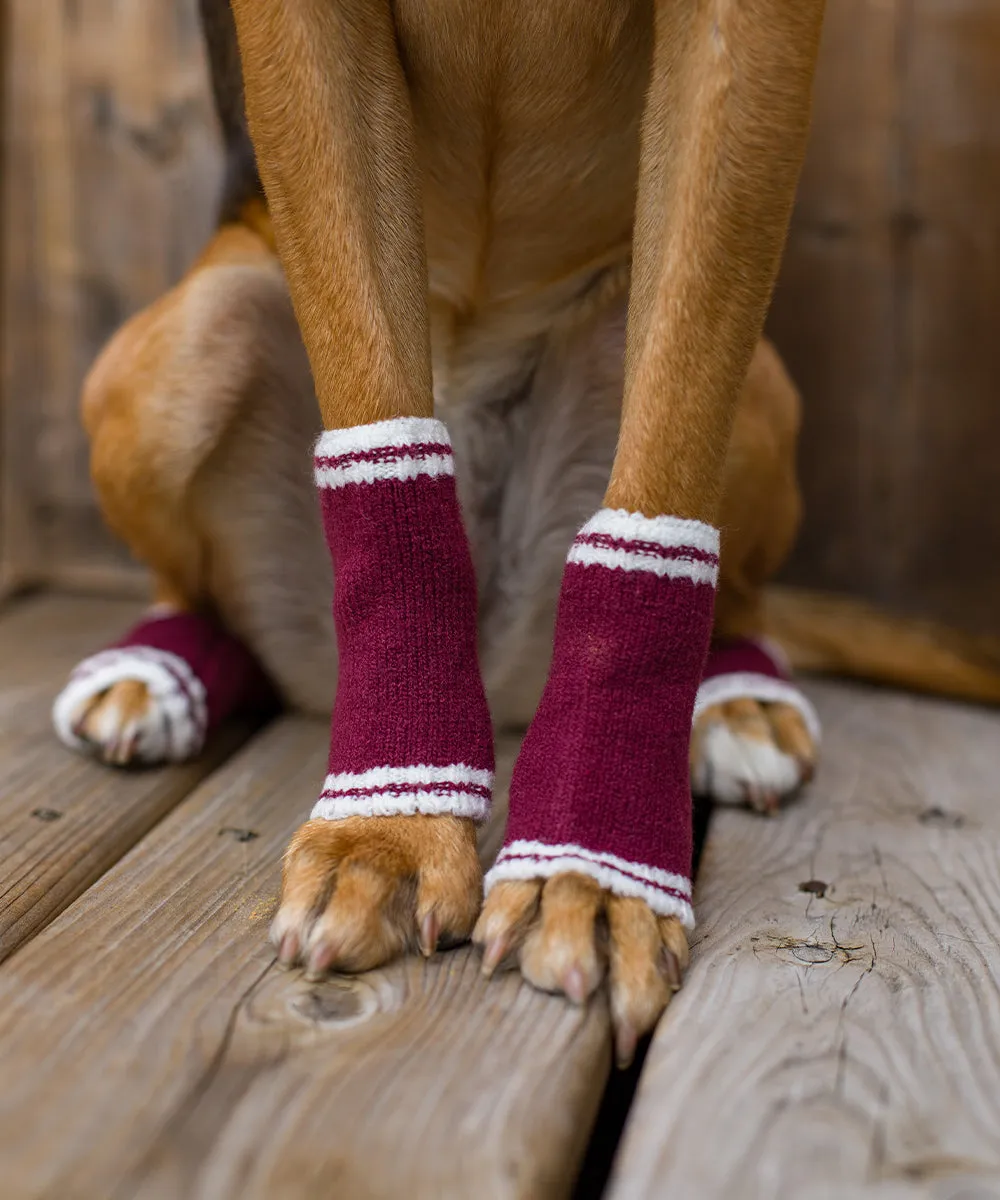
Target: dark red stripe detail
{"type": "Point", "coordinates": [519, 856]}
{"type": "Point", "coordinates": [380, 454]}
{"type": "Point", "coordinates": [182, 683]}
{"type": "Point", "coordinates": [231, 676]}
{"type": "Point", "coordinates": [606, 542]}
{"type": "Point", "coordinates": [402, 789]}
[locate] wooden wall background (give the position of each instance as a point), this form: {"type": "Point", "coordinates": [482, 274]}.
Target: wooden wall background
{"type": "Point", "coordinates": [888, 308]}
{"type": "Point", "coordinates": [111, 165]}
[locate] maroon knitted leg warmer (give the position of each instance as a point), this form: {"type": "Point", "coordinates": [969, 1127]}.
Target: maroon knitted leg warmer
{"type": "Point", "coordinates": [411, 729]}
{"type": "Point", "coordinates": [601, 785]}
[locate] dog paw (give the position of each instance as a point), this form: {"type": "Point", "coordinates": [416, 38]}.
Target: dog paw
{"type": "Point", "coordinates": [123, 725]}
{"type": "Point", "coordinates": [132, 705]}
{"type": "Point", "coordinates": [566, 933]}
{"type": "Point", "coordinates": [751, 752]}
{"type": "Point", "coordinates": [358, 892]}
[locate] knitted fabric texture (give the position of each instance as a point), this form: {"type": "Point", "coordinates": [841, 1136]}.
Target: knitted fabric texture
{"type": "Point", "coordinates": [411, 729]}
{"type": "Point", "coordinates": [601, 786]}
{"type": "Point", "coordinates": [752, 668]}
{"type": "Point", "coordinates": [198, 673]}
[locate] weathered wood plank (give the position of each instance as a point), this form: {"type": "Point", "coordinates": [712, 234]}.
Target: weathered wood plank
{"type": "Point", "coordinates": [839, 1033]}
{"type": "Point", "coordinates": [64, 820]}
{"type": "Point", "coordinates": [151, 1028]}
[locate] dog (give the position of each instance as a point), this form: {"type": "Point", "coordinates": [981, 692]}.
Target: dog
{"type": "Point", "coordinates": [524, 250]}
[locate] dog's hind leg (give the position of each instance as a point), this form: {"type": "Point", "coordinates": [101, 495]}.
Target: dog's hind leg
{"type": "Point", "coordinates": [755, 736]}
{"type": "Point", "coordinates": [191, 403]}
{"type": "Point", "coordinates": [600, 817]}
{"type": "Point", "coordinates": [389, 857]}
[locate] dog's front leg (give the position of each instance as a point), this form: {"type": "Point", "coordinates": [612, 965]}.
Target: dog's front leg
{"type": "Point", "coordinates": [389, 858]}
{"type": "Point", "coordinates": [600, 820]}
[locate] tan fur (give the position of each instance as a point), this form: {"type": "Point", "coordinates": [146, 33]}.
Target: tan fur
{"type": "Point", "coordinates": [426, 866]}
{"type": "Point", "coordinates": [840, 635]}
{"type": "Point", "coordinates": [453, 190]}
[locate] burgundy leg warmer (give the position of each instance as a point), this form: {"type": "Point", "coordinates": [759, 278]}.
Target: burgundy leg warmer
{"type": "Point", "coordinates": [411, 729]}
{"type": "Point", "coordinates": [198, 673]}
{"type": "Point", "coordinates": [601, 786]}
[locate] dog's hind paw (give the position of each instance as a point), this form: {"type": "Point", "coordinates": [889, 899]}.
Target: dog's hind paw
{"type": "Point", "coordinates": [753, 752]}
{"type": "Point", "coordinates": [131, 706]}
{"type": "Point", "coordinates": [123, 725]}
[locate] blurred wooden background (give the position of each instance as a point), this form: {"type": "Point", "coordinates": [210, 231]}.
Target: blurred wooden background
{"type": "Point", "coordinates": [110, 172]}
{"type": "Point", "coordinates": [888, 308]}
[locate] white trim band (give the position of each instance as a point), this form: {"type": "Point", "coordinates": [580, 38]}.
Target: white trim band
{"type": "Point", "coordinates": [398, 433]}
{"type": "Point", "coordinates": [628, 560]}
{"type": "Point", "coordinates": [740, 685]}
{"type": "Point", "coordinates": [535, 860]}
{"type": "Point", "coordinates": [380, 777]}
{"type": "Point", "coordinates": [456, 789]}
{"type": "Point", "coordinates": [668, 547]}
{"type": "Point", "coordinates": [401, 449]}
{"type": "Point", "coordinates": [653, 875]}
{"type": "Point", "coordinates": [180, 695]}
{"type": "Point", "coordinates": [666, 531]}
{"type": "Point", "coordinates": [377, 472]}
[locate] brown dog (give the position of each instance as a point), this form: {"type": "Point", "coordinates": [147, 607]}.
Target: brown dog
{"type": "Point", "coordinates": [544, 208]}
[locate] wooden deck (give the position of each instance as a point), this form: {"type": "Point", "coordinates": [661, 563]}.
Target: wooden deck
{"type": "Point", "coordinates": [838, 1036]}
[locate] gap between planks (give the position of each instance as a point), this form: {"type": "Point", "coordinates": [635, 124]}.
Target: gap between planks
{"type": "Point", "coordinates": [839, 1032]}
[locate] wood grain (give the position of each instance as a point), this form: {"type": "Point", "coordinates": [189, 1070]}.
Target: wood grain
{"type": "Point", "coordinates": [110, 176]}
{"type": "Point", "coordinates": [887, 309]}
{"type": "Point", "coordinates": [839, 1032]}
{"type": "Point", "coordinates": [946, 520]}
{"type": "Point", "coordinates": [833, 310]}
{"type": "Point", "coordinates": [64, 820]}
{"type": "Point", "coordinates": [151, 1028]}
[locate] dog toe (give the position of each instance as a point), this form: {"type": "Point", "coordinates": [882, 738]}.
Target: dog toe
{"type": "Point", "coordinates": [647, 959]}
{"type": "Point", "coordinates": [123, 725]}
{"type": "Point", "coordinates": [507, 916]}
{"type": "Point", "coordinates": [357, 893]}
{"type": "Point", "coordinates": [563, 950]}
{"type": "Point", "coordinates": [747, 752]}
{"type": "Point", "coordinates": [567, 934]}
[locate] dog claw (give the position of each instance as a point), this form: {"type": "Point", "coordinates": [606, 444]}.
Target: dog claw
{"type": "Point", "coordinates": [493, 954]}
{"type": "Point", "coordinates": [321, 959]}
{"type": "Point", "coordinates": [123, 749]}
{"type": "Point", "coordinates": [288, 950]}
{"type": "Point", "coordinates": [626, 1040]}
{"type": "Point", "coordinates": [574, 985]}
{"type": "Point", "coordinates": [430, 930]}
{"type": "Point", "coordinates": [671, 968]}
